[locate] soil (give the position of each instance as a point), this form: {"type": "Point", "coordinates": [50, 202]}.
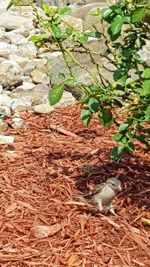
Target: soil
{"type": "Point", "coordinates": [40, 172]}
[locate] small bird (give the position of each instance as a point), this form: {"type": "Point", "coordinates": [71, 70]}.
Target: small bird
{"type": "Point", "coordinates": [103, 194]}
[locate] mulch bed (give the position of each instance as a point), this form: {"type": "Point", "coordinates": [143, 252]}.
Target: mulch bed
{"type": "Point", "coordinates": [39, 173]}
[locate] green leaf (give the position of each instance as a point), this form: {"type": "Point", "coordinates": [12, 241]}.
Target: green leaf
{"type": "Point", "coordinates": [117, 136]}
{"type": "Point", "coordinates": [127, 19]}
{"type": "Point", "coordinates": [57, 20]}
{"type": "Point", "coordinates": [65, 11]}
{"type": "Point", "coordinates": [13, 2]}
{"type": "Point", "coordinates": [56, 31]}
{"type": "Point", "coordinates": [105, 117]}
{"type": "Point", "coordinates": [86, 116]}
{"type": "Point", "coordinates": [138, 14]}
{"type": "Point", "coordinates": [106, 12]}
{"type": "Point", "coordinates": [93, 104]}
{"type": "Point", "coordinates": [130, 147]}
{"type": "Point", "coordinates": [138, 42]}
{"type": "Point", "coordinates": [47, 9]}
{"type": "Point", "coordinates": [55, 94]}
{"type": "Point", "coordinates": [96, 12]}
{"type": "Point", "coordinates": [147, 113]}
{"type": "Point", "coordinates": [94, 89]}
{"type": "Point", "coordinates": [38, 38]}
{"type": "Point", "coordinates": [113, 37]}
{"type": "Point", "coordinates": [123, 126]}
{"type": "Point", "coordinates": [119, 76]}
{"type": "Point", "coordinates": [117, 152]}
{"type": "Point", "coordinates": [146, 87]}
{"type": "Point", "coordinates": [116, 24]}
{"type": "Point", "coordinates": [71, 82]}
{"type": "Point", "coordinates": [84, 100]}
{"type": "Point", "coordinates": [146, 73]}
{"type": "Point", "coordinates": [69, 31]}
{"type": "Point", "coordinates": [61, 76]}
{"type": "Point", "coordinates": [83, 38]}
{"type": "Point", "coordinates": [97, 35]}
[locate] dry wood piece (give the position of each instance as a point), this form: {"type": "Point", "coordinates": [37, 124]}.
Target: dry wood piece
{"type": "Point", "coordinates": [40, 225]}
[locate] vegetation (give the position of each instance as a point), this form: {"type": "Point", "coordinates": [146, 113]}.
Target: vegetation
{"type": "Point", "coordinates": [128, 95]}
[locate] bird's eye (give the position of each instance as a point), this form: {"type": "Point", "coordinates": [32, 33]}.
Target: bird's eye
{"type": "Point", "coordinates": [113, 184]}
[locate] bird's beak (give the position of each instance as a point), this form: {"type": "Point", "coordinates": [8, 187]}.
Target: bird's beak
{"type": "Point", "coordinates": [119, 188]}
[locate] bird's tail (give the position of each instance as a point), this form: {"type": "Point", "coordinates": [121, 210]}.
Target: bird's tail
{"type": "Point", "coordinates": [77, 196]}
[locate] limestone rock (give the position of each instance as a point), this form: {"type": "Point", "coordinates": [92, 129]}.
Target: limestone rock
{"type": "Point", "coordinates": [12, 21]}
{"type": "Point", "coordinates": [21, 105]}
{"type": "Point", "coordinates": [26, 86]}
{"type": "Point", "coordinates": [1, 88]}
{"type": "Point", "coordinates": [2, 35]}
{"type": "Point", "coordinates": [19, 123]}
{"type": "Point", "coordinates": [16, 38]}
{"type": "Point", "coordinates": [5, 100]}
{"type": "Point", "coordinates": [43, 108]}
{"type": "Point", "coordinates": [39, 77]}
{"type": "Point", "coordinates": [24, 31]}
{"type": "Point", "coordinates": [5, 111]}
{"type": "Point", "coordinates": [3, 126]}
{"type": "Point", "coordinates": [6, 139]}
{"type": "Point", "coordinates": [27, 50]}
{"type": "Point", "coordinates": [21, 61]}
{"type": "Point", "coordinates": [30, 66]}
{"type": "Point", "coordinates": [10, 72]}
{"type": "Point", "coordinates": [75, 23]}
{"type": "Point", "coordinates": [38, 94]}
{"type": "Point", "coordinates": [7, 49]}
{"type": "Point", "coordinates": [67, 99]}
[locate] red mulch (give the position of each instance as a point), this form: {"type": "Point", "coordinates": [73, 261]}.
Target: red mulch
{"type": "Point", "coordinates": [38, 175]}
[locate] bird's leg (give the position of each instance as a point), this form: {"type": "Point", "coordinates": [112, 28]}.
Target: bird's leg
{"type": "Point", "coordinates": [111, 209]}
{"type": "Point", "coordinates": [99, 205]}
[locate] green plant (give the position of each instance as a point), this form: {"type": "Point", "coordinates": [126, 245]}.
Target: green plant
{"type": "Point", "coordinates": [128, 95]}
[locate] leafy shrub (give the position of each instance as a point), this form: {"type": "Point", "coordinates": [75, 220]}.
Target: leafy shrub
{"type": "Point", "coordinates": [128, 95]}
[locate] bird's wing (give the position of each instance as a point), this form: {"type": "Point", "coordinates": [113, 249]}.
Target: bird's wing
{"type": "Point", "coordinates": [95, 191]}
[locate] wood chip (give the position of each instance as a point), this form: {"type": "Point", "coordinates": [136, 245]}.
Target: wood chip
{"type": "Point", "coordinates": [11, 208]}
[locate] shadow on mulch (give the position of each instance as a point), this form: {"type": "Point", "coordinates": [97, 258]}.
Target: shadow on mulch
{"type": "Point", "coordinates": [133, 175]}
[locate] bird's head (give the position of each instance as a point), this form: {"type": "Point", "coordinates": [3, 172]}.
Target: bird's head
{"type": "Point", "coordinates": [114, 184]}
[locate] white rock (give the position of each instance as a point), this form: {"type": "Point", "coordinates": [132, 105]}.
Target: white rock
{"type": "Point", "coordinates": [7, 49]}
{"type": "Point", "coordinates": [1, 88]}
{"type": "Point", "coordinates": [18, 123]}
{"type": "Point", "coordinates": [24, 31]}
{"type": "Point", "coordinates": [2, 34]}
{"type": "Point", "coordinates": [49, 55]}
{"type": "Point", "coordinates": [16, 38]}
{"type": "Point", "coordinates": [5, 111]}
{"type": "Point", "coordinates": [5, 100]}
{"type": "Point", "coordinates": [26, 79]}
{"type": "Point", "coordinates": [3, 126]}
{"type": "Point", "coordinates": [4, 4]}
{"type": "Point", "coordinates": [75, 23]}
{"type": "Point", "coordinates": [12, 21]}
{"type": "Point", "coordinates": [6, 139]}
{"type": "Point", "coordinates": [26, 86]}
{"type": "Point", "coordinates": [39, 77]}
{"type": "Point", "coordinates": [27, 50]}
{"type": "Point", "coordinates": [10, 72]}
{"type": "Point", "coordinates": [20, 105]}
{"type": "Point", "coordinates": [21, 61]}
{"type": "Point", "coordinates": [67, 99]}
{"type": "Point", "coordinates": [43, 108]}
{"type": "Point", "coordinates": [31, 65]}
